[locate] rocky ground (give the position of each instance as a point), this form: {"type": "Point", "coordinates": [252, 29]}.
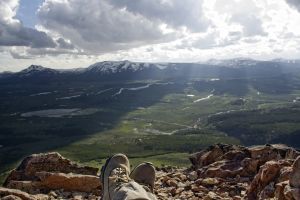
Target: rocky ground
{"type": "Point", "coordinates": [219, 172]}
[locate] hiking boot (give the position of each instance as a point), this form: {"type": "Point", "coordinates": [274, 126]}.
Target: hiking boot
{"type": "Point", "coordinates": [114, 174]}
{"type": "Point", "coordinates": [144, 174]}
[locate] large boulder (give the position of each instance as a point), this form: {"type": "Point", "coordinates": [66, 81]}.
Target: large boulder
{"type": "Point", "coordinates": [288, 187]}
{"type": "Point", "coordinates": [51, 171]}
{"type": "Point", "coordinates": [14, 194]}
{"type": "Point", "coordinates": [295, 179]}
{"type": "Point", "coordinates": [218, 152]}
{"type": "Point", "coordinates": [266, 179]}
{"type": "Point", "coordinates": [49, 162]}
{"type": "Point", "coordinates": [70, 182]}
{"type": "Point", "coordinates": [55, 181]}
{"type": "Point", "coordinates": [277, 179]}
{"type": "Point", "coordinates": [222, 160]}
{"type": "Point", "coordinates": [295, 174]}
{"type": "Point", "coordinates": [269, 168]}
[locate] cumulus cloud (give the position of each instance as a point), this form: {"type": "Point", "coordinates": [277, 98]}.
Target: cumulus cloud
{"type": "Point", "coordinates": [245, 14]}
{"type": "Point", "coordinates": [252, 25]}
{"type": "Point", "coordinates": [30, 53]}
{"type": "Point", "coordinates": [99, 26]}
{"type": "Point", "coordinates": [150, 30]}
{"type": "Point", "coordinates": [13, 33]}
{"type": "Point", "coordinates": [19, 55]}
{"type": "Point", "coordinates": [174, 13]}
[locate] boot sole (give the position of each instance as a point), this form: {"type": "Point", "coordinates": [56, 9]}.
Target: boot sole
{"type": "Point", "coordinates": [103, 168]}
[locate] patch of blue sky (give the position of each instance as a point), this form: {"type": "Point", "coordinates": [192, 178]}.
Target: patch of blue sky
{"type": "Point", "coordinates": [27, 12]}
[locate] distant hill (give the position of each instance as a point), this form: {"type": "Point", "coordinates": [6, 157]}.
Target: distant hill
{"type": "Point", "coordinates": [126, 70]}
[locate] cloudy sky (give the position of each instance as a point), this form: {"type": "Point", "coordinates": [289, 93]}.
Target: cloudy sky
{"type": "Point", "coordinates": [77, 33]}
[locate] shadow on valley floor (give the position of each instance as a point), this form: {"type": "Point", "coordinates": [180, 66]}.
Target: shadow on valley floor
{"type": "Point", "coordinates": [21, 136]}
{"type": "Point", "coordinates": [260, 126]}
{"type": "Point", "coordinates": [290, 139]}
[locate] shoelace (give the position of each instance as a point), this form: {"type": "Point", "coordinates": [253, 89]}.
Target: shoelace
{"type": "Point", "coordinates": [147, 187]}
{"type": "Point", "coordinates": [120, 176]}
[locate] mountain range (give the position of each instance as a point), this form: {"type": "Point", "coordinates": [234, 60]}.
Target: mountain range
{"type": "Point", "coordinates": [126, 70]}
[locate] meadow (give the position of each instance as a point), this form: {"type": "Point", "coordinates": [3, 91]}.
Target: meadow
{"type": "Point", "coordinates": [149, 120]}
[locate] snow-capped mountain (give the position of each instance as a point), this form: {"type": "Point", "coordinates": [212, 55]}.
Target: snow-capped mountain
{"type": "Point", "coordinates": [36, 69]}
{"type": "Point", "coordinates": [33, 68]}
{"type": "Point", "coordinates": [281, 60]}
{"type": "Point", "coordinates": [236, 62]}
{"type": "Point", "coordinates": [113, 67]}
{"type": "Point", "coordinates": [126, 70]}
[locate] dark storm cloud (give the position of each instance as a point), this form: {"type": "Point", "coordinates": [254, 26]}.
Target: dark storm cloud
{"type": "Point", "coordinates": [23, 36]}
{"type": "Point", "coordinates": [64, 44]}
{"type": "Point", "coordinates": [294, 3]}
